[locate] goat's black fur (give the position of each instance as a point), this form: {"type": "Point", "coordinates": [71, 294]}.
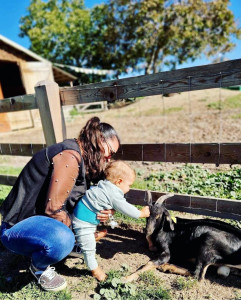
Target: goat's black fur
{"type": "Point", "coordinates": [208, 241]}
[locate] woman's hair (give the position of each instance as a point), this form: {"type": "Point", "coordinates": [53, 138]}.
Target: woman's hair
{"type": "Point", "coordinates": [91, 137]}
{"type": "Point", "coordinates": [118, 169]}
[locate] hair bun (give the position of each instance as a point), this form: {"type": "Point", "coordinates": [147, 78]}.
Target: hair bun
{"type": "Point", "coordinates": [93, 123]}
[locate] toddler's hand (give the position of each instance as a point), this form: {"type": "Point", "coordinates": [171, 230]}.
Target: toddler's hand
{"type": "Point", "coordinates": [145, 212]}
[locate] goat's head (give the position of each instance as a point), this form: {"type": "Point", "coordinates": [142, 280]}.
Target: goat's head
{"type": "Point", "coordinates": [158, 213]}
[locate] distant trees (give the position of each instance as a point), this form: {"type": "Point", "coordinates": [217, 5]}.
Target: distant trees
{"type": "Point", "coordinates": [122, 34]}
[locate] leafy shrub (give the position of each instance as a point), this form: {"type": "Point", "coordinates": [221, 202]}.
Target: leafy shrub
{"type": "Point", "coordinates": [147, 287]}
{"type": "Point", "coordinates": [194, 180]}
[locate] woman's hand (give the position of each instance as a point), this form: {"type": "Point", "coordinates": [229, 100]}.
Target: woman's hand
{"type": "Point", "coordinates": [103, 215]}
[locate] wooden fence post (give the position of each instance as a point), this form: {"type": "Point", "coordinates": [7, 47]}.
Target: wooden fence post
{"type": "Point", "coordinates": [50, 109]}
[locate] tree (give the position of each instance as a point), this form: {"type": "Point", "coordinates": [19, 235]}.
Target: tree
{"type": "Point", "coordinates": [154, 33]}
{"type": "Point", "coordinates": [122, 34]}
{"type": "Point", "coordinates": [58, 30]}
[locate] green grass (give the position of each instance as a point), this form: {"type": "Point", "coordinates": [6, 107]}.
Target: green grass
{"type": "Point", "coordinates": [183, 283]}
{"type": "Point", "coordinates": [237, 116]}
{"type": "Point", "coordinates": [233, 102]}
{"type": "Point", "coordinates": [22, 287]}
{"type": "Point", "coordinates": [156, 111]}
{"type": "Point", "coordinates": [6, 170]}
{"type": "Point", "coordinates": [120, 218]}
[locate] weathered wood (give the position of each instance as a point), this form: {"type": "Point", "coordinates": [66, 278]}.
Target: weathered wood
{"type": "Point", "coordinates": [222, 74]}
{"type": "Point", "coordinates": [20, 149]}
{"type": "Point", "coordinates": [222, 208]}
{"type": "Point", "coordinates": [47, 95]}
{"type": "Point", "coordinates": [25, 102]}
{"type": "Point", "coordinates": [225, 153]}
{"type": "Point", "coordinates": [7, 180]}
{"type": "Point", "coordinates": [200, 153]}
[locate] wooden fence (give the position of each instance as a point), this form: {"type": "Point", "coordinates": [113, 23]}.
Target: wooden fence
{"type": "Point", "coordinates": [49, 98]}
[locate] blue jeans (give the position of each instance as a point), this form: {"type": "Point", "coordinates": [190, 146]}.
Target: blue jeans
{"type": "Point", "coordinates": [46, 240]}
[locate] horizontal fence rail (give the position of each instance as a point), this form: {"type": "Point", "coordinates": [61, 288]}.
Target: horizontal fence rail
{"type": "Point", "coordinates": [225, 153]}
{"type": "Point", "coordinates": [18, 103]}
{"type": "Point", "coordinates": [20, 149]}
{"type": "Point", "coordinates": [222, 208]}
{"type": "Point", "coordinates": [224, 74]}
{"type": "Point", "coordinates": [218, 75]}
{"type": "Point", "coordinates": [8, 180]}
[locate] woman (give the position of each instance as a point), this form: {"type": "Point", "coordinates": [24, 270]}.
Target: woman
{"type": "Point", "coordinates": [36, 214]}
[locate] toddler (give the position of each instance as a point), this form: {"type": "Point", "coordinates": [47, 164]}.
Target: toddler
{"type": "Point", "coordinates": [107, 194]}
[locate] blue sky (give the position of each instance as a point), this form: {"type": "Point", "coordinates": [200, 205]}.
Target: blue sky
{"type": "Point", "coordinates": [12, 10]}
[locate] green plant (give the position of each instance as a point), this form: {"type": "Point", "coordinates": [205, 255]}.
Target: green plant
{"type": "Point", "coordinates": [183, 283]}
{"type": "Point", "coordinates": [194, 180]}
{"type": "Point", "coordinates": [148, 287]}
{"type": "Point", "coordinates": [115, 288]}
{"type": "Point", "coordinates": [74, 112]}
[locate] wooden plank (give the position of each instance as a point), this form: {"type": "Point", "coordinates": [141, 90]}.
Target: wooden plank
{"type": "Point", "coordinates": [20, 149]}
{"type": "Point", "coordinates": [228, 153]}
{"type": "Point", "coordinates": [47, 95]}
{"type": "Point", "coordinates": [7, 180]}
{"type": "Point", "coordinates": [222, 208]}
{"type": "Point", "coordinates": [200, 153]}
{"type": "Point", "coordinates": [222, 74]}
{"type": "Point", "coordinates": [18, 103]}
{"type": "Point", "coordinates": [130, 152]}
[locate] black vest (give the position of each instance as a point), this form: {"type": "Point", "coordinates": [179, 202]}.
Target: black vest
{"type": "Point", "coordinates": [28, 195]}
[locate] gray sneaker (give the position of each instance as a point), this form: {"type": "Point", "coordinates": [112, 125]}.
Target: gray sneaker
{"type": "Point", "coordinates": [76, 252]}
{"type": "Point", "coordinates": [49, 280]}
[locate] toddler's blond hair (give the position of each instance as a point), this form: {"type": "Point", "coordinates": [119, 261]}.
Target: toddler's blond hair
{"type": "Point", "coordinates": [118, 169]}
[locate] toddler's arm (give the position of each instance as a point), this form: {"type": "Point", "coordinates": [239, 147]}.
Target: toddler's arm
{"type": "Point", "coordinates": [145, 212]}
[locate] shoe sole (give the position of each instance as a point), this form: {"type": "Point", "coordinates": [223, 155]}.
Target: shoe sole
{"type": "Point", "coordinates": [57, 289]}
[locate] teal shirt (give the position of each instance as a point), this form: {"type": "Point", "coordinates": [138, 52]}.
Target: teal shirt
{"type": "Point", "coordinates": [104, 195]}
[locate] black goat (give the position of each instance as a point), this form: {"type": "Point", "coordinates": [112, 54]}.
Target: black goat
{"type": "Point", "coordinates": [208, 241]}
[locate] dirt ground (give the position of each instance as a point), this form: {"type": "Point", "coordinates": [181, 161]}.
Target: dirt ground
{"type": "Point", "coordinates": [179, 118]}
{"type": "Point", "coordinates": [128, 247]}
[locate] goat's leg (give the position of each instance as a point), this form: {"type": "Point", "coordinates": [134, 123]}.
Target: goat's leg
{"type": "Point", "coordinates": [206, 256]}
{"type": "Point", "coordinates": [134, 276]}
{"type": "Point", "coordinates": [151, 265]}
{"type": "Point", "coordinates": [163, 258]}
{"type": "Point", "coordinates": [170, 268]}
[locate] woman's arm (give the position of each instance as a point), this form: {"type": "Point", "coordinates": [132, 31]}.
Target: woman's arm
{"type": "Point", "coordinates": [65, 172]}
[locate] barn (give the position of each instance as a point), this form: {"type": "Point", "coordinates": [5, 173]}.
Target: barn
{"type": "Point", "coordinates": [20, 70]}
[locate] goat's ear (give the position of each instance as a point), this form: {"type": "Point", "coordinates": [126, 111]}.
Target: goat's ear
{"type": "Point", "coordinates": [169, 220]}
{"type": "Point", "coordinates": [149, 198]}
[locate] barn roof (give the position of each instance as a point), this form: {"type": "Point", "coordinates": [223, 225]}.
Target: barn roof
{"type": "Point", "coordinates": [60, 75]}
